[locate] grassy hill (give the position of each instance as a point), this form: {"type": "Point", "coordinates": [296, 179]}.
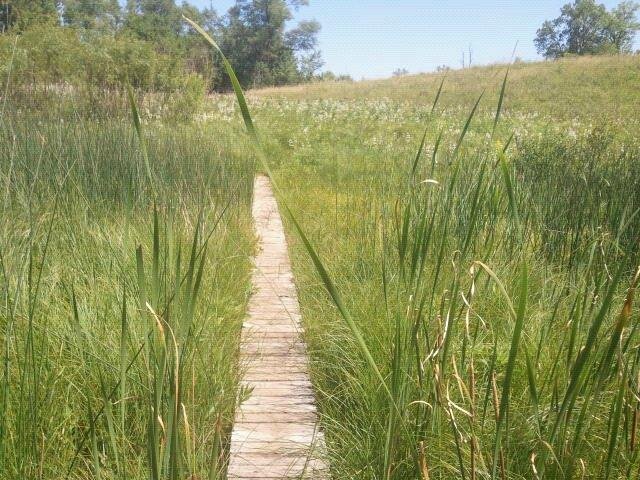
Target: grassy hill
{"type": "Point", "coordinates": [573, 87]}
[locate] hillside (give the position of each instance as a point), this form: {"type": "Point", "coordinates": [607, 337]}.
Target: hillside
{"type": "Point", "coordinates": [576, 87]}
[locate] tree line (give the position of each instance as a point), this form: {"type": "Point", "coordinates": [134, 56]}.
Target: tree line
{"type": "Point", "coordinates": [102, 43]}
{"type": "Point", "coordinates": [585, 27]}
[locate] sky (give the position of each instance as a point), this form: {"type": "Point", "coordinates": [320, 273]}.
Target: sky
{"type": "Point", "coordinates": [372, 38]}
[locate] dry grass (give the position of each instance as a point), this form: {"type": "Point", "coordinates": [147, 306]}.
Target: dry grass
{"type": "Point", "coordinates": [573, 87]}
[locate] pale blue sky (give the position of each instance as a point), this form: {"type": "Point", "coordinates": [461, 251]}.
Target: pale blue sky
{"type": "Point", "coordinates": [372, 38]}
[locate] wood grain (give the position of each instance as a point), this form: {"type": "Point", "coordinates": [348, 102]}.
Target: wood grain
{"type": "Point", "coordinates": [276, 432]}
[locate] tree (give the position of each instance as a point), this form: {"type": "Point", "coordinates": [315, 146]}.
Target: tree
{"type": "Point", "coordinates": [102, 15]}
{"type": "Point", "coordinates": [267, 60]}
{"type": "Point", "coordinates": [303, 40]}
{"type": "Point", "coordinates": [309, 65]}
{"type": "Point", "coordinates": [585, 27]}
{"type": "Point", "coordinates": [263, 52]}
{"type": "Point", "coordinates": [158, 21]}
{"type": "Point", "coordinates": [622, 26]}
{"type": "Point", "coordinates": [549, 41]}
{"type": "Point", "coordinates": [22, 13]}
{"type": "Point", "coordinates": [197, 53]}
{"type": "Point", "coordinates": [304, 37]}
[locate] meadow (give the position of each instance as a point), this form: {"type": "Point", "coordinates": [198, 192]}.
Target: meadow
{"type": "Point", "coordinates": [124, 279]}
{"type": "Point", "coordinates": [490, 272]}
{"type": "Point", "coordinates": [483, 249]}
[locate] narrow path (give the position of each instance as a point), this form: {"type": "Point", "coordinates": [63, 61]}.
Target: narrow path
{"type": "Point", "coordinates": [275, 433]}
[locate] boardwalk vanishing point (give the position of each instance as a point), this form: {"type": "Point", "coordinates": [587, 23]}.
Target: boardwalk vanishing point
{"type": "Point", "coordinates": [276, 433]}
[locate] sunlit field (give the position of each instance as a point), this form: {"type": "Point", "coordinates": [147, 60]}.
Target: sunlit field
{"type": "Point", "coordinates": [490, 272]}
{"type": "Point", "coordinates": [481, 230]}
{"type": "Point", "coordinates": [123, 292]}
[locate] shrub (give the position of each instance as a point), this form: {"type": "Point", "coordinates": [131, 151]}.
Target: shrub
{"type": "Point", "coordinates": [53, 67]}
{"type": "Point", "coordinates": [47, 56]}
{"type": "Point", "coordinates": [188, 100]}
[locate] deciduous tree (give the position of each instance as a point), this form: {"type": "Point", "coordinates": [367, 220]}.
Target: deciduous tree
{"type": "Point", "coordinates": [20, 14]}
{"type": "Point", "coordinates": [585, 27]}
{"type": "Point", "coordinates": [102, 15]}
{"type": "Point", "coordinates": [263, 52]}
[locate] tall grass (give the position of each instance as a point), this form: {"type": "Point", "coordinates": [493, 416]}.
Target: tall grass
{"type": "Point", "coordinates": [489, 284]}
{"type": "Point", "coordinates": [480, 271]}
{"type": "Point", "coordinates": [463, 314]}
{"type": "Point", "coordinates": [503, 355]}
{"type": "Point", "coordinates": [122, 298]}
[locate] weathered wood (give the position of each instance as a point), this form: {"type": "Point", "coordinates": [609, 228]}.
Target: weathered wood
{"type": "Point", "coordinates": [276, 432]}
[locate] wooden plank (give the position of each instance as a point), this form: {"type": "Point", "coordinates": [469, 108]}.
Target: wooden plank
{"type": "Point", "coordinates": [272, 401]}
{"type": "Point", "coordinates": [265, 375]}
{"type": "Point", "coordinates": [255, 466]}
{"type": "Point", "coordinates": [276, 448]}
{"type": "Point", "coordinates": [276, 433]}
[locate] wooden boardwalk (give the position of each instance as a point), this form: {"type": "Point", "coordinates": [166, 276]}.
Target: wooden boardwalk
{"type": "Point", "coordinates": [276, 431]}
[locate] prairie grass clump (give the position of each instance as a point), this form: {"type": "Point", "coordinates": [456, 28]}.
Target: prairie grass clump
{"type": "Point", "coordinates": [123, 290]}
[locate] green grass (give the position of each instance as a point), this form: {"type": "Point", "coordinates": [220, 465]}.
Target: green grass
{"type": "Point", "coordinates": [123, 292]}
{"type": "Point", "coordinates": [488, 280]}
{"type": "Point", "coordinates": [403, 253]}
{"type": "Point", "coordinates": [564, 89]}
{"type": "Point", "coordinates": [490, 273]}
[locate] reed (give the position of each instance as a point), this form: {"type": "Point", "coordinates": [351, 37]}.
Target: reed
{"type": "Point", "coordinates": [466, 262]}
{"type": "Point", "coordinates": [124, 260]}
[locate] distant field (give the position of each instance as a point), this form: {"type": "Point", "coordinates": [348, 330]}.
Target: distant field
{"type": "Point", "coordinates": [576, 87]}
